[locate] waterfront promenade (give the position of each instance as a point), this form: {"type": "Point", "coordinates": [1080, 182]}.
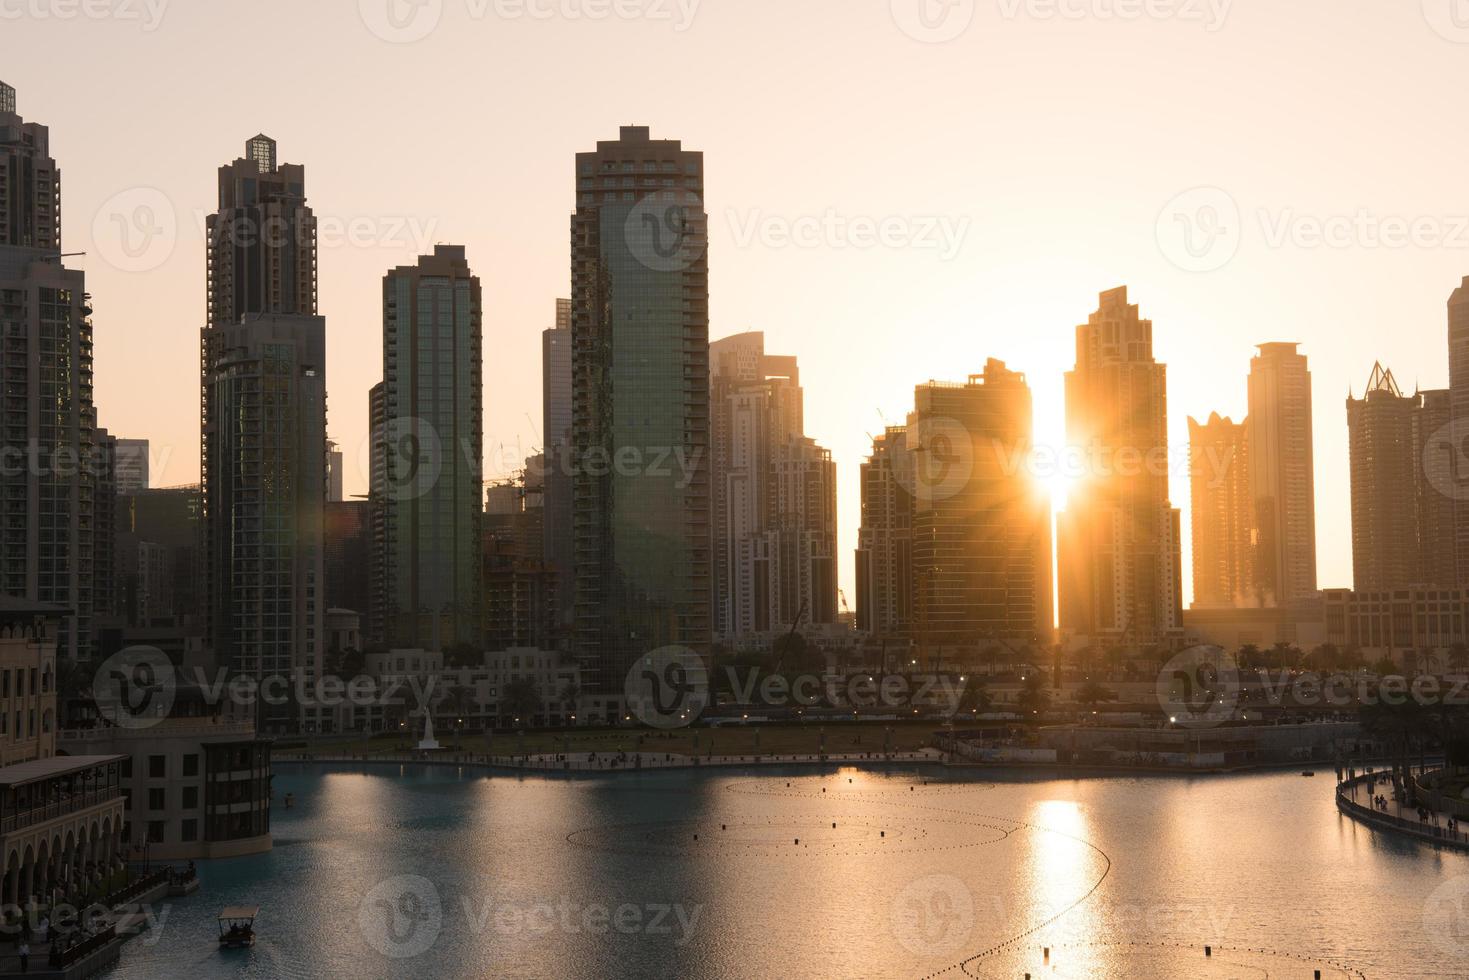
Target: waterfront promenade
{"type": "Point", "coordinates": [614, 761]}
{"type": "Point", "coordinates": [1356, 797]}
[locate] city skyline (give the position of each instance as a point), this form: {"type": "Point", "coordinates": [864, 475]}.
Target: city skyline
{"type": "Point", "coordinates": [1009, 292]}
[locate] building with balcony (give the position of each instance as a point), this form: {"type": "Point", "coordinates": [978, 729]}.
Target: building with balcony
{"type": "Point", "coordinates": [61, 817]}
{"type": "Point", "coordinates": [640, 403]}
{"type": "Point", "coordinates": [196, 782]}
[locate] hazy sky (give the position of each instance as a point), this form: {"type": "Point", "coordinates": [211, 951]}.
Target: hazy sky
{"type": "Point", "coordinates": [1016, 169]}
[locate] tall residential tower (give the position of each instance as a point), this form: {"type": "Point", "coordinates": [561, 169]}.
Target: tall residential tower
{"type": "Point", "coordinates": [432, 429]}
{"type": "Point", "coordinates": [1282, 475]}
{"type": "Point", "coordinates": [1119, 550]}
{"type": "Point", "coordinates": [47, 505]}
{"type": "Point", "coordinates": [640, 427]}
{"type": "Point", "coordinates": [774, 495]}
{"type": "Point", "coordinates": [263, 427]}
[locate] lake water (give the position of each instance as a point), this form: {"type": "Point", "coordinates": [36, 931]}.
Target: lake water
{"type": "Point", "coordinates": [433, 872]}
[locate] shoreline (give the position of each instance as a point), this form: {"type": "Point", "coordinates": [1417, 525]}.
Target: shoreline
{"type": "Point", "coordinates": [927, 760]}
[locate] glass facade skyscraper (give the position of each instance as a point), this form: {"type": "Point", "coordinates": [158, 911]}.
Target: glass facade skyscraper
{"type": "Point", "coordinates": [47, 505]}
{"type": "Point", "coordinates": [263, 428]}
{"type": "Point", "coordinates": [429, 440]}
{"type": "Point", "coordinates": [640, 429]}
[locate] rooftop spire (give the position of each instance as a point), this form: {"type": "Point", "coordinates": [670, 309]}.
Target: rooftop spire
{"type": "Point", "coordinates": [1382, 380]}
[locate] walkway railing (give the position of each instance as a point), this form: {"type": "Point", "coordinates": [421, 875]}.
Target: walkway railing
{"type": "Point", "coordinates": [1389, 821]}
{"type": "Point", "coordinates": [31, 816]}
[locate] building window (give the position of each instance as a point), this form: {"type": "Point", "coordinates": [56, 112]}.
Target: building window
{"type": "Point", "coordinates": [127, 768]}
{"type": "Point", "coordinates": [189, 830]}
{"type": "Point", "coordinates": [155, 831]}
{"type": "Point", "coordinates": [157, 798]}
{"type": "Point", "coordinates": [191, 764]}
{"type": "Point", "coordinates": [157, 766]}
{"type": "Point", "coordinates": [191, 797]}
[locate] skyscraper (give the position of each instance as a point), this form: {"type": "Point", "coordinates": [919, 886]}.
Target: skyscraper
{"type": "Point", "coordinates": [433, 427]}
{"type": "Point", "coordinates": [263, 427]}
{"type": "Point", "coordinates": [334, 473]}
{"type": "Point", "coordinates": [132, 466]}
{"type": "Point", "coordinates": [48, 411]}
{"type": "Point", "coordinates": [1384, 472]}
{"type": "Point", "coordinates": [1119, 551]}
{"type": "Point", "coordinates": [885, 539]}
{"type": "Point", "coordinates": [981, 525]}
{"type": "Point", "coordinates": [1282, 475]}
{"type": "Point", "coordinates": [557, 549]}
{"type": "Point", "coordinates": [1433, 472]}
{"type": "Point", "coordinates": [1222, 512]}
{"type": "Point", "coordinates": [1458, 307]}
{"type": "Point", "coordinates": [640, 429]}
{"type": "Point", "coordinates": [773, 493]}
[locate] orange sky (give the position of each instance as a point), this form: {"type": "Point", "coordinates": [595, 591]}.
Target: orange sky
{"type": "Point", "coordinates": [1049, 147]}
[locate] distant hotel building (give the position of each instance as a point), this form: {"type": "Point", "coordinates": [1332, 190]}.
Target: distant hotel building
{"type": "Point", "coordinates": [640, 334]}
{"type": "Point", "coordinates": [1282, 475]}
{"type": "Point", "coordinates": [430, 484]}
{"type": "Point", "coordinates": [1384, 469]}
{"type": "Point", "coordinates": [263, 444]}
{"type": "Point", "coordinates": [46, 542]}
{"type": "Point", "coordinates": [774, 495]}
{"type": "Point", "coordinates": [1222, 513]}
{"type": "Point", "coordinates": [1118, 541]}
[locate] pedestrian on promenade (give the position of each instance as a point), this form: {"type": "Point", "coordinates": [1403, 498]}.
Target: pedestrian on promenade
{"type": "Point", "coordinates": [25, 957]}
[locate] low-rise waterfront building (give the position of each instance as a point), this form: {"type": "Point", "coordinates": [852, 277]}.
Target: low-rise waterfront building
{"type": "Point", "coordinates": [1415, 626]}
{"type": "Point", "coordinates": [196, 781]}
{"type": "Point", "coordinates": [60, 816]}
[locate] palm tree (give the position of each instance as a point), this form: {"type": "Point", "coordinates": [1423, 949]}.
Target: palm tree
{"type": "Point", "coordinates": [570, 694]}
{"type": "Point", "coordinates": [1092, 693]}
{"type": "Point", "coordinates": [1458, 657]}
{"type": "Point", "coordinates": [1249, 657]}
{"type": "Point", "coordinates": [521, 699]}
{"type": "Point", "coordinates": [458, 700]}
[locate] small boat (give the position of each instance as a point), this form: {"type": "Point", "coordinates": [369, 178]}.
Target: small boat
{"type": "Point", "coordinates": [237, 926]}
